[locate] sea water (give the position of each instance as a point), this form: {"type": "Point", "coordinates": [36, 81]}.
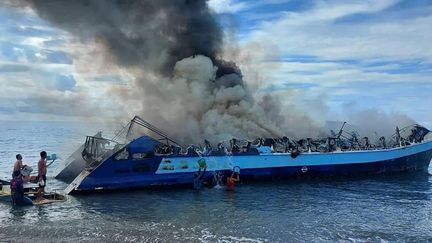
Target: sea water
{"type": "Point", "coordinates": [373, 209]}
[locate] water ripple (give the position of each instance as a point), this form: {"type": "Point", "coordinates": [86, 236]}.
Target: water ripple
{"type": "Point", "coordinates": [381, 209]}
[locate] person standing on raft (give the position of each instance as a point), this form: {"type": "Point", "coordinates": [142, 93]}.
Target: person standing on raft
{"type": "Point", "coordinates": [18, 164]}
{"type": "Point", "coordinates": [42, 170]}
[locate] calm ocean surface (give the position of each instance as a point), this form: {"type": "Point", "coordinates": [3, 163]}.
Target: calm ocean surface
{"type": "Point", "coordinates": [384, 209]}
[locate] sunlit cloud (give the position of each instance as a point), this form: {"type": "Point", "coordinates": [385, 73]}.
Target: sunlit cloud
{"type": "Point", "coordinates": [375, 54]}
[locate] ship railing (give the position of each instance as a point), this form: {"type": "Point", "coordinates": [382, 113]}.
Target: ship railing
{"type": "Point", "coordinates": [414, 133]}
{"type": "Point", "coordinates": [150, 130]}
{"type": "Point", "coordinates": [96, 149]}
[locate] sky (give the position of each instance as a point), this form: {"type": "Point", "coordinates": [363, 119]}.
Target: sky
{"type": "Point", "coordinates": [333, 56]}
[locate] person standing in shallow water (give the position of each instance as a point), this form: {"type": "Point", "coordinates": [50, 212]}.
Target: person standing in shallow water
{"type": "Point", "coordinates": [231, 180]}
{"type": "Point", "coordinates": [17, 191]}
{"type": "Point", "coordinates": [199, 178]}
{"type": "Point", "coordinates": [42, 170]}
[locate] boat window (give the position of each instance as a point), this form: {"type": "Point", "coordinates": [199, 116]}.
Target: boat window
{"type": "Point", "coordinates": [122, 155]}
{"type": "Point", "coordinates": [140, 156]}
{"type": "Point", "coordinates": [184, 165]}
{"type": "Point", "coordinates": [166, 165]}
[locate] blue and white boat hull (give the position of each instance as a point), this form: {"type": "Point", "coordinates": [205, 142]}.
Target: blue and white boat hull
{"type": "Point", "coordinates": [139, 168]}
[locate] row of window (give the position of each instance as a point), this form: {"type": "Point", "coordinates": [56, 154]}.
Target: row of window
{"type": "Point", "coordinates": [124, 155]}
{"type": "Point", "coordinates": [140, 168]}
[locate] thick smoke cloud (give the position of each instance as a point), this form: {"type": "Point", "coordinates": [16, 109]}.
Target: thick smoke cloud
{"type": "Point", "coordinates": [172, 50]}
{"type": "Point", "coordinates": [180, 83]}
{"type": "Point", "coordinates": [146, 34]}
{"type": "Point", "coordinates": [194, 104]}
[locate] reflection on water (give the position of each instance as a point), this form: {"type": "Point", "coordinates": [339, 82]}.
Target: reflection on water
{"type": "Point", "coordinates": [386, 208]}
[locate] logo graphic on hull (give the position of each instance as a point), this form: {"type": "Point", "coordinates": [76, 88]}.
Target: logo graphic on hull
{"type": "Point", "coordinates": [304, 169]}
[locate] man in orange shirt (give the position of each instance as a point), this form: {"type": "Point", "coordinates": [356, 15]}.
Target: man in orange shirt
{"type": "Point", "coordinates": [231, 180]}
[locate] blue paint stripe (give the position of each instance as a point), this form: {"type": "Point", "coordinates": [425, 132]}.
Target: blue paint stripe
{"type": "Point", "coordinates": [285, 159]}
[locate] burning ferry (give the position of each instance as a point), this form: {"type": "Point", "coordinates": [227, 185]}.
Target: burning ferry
{"type": "Point", "coordinates": [154, 159]}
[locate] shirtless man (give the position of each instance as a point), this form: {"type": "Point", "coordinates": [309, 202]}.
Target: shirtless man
{"type": "Point", "coordinates": [42, 170]}
{"type": "Point", "coordinates": [18, 164]}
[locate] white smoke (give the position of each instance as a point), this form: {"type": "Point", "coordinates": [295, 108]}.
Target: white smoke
{"type": "Point", "coordinates": [193, 104]}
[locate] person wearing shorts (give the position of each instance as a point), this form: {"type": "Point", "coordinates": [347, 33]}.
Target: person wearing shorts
{"type": "Point", "coordinates": [42, 170]}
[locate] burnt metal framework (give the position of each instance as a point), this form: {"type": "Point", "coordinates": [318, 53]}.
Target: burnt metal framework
{"type": "Point", "coordinates": [95, 148]}
{"type": "Point", "coordinates": [156, 133]}
{"type": "Point", "coordinates": [346, 139]}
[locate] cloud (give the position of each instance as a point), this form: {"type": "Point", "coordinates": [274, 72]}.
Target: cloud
{"type": "Point", "coordinates": [317, 32]}
{"type": "Point", "coordinates": [227, 6]}
{"type": "Point", "coordinates": [25, 38]}
{"type": "Point", "coordinates": [6, 109]}
{"type": "Point", "coordinates": [37, 76]}
{"type": "Point", "coordinates": [235, 6]}
{"type": "Point", "coordinates": [65, 82]}
{"type": "Point", "coordinates": [13, 68]}
{"type": "Point", "coordinates": [374, 53]}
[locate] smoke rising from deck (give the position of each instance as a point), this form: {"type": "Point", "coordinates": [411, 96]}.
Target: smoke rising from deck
{"type": "Point", "coordinates": [173, 49]}
{"type": "Point", "coordinates": [180, 82]}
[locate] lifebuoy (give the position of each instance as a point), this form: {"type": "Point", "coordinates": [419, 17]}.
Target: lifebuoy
{"type": "Point", "coordinates": [304, 169]}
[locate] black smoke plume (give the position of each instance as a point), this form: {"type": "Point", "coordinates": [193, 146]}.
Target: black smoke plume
{"type": "Point", "coordinates": [137, 32]}
{"type": "Point", "coordinates": [172, 48]}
